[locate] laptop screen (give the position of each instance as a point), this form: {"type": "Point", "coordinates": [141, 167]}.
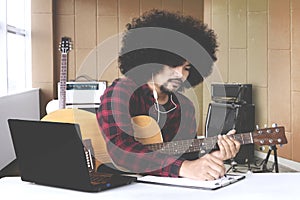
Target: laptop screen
{"type": "Point", "coordinates": [49, 152]}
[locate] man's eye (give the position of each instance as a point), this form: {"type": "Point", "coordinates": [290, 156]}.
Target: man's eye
{"type": "Point", "coordinates": [187, 68]}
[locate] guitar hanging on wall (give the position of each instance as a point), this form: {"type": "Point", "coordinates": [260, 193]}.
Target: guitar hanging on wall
{"type": "Point", "coordinates": [60, 103]}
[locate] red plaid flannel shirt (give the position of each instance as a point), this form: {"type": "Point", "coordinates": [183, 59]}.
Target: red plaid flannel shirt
{"type": "Point", "coordinates": [123, 100]}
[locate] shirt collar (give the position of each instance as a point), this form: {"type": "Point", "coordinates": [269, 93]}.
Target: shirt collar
{"type": "Point", "coordinates": [146, 90]}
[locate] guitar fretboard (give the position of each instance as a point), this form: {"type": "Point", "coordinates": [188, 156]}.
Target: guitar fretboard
{"type": "Point", "coordinates": [203, 146]}
{"type": "Point", "coordinates": [63, 79]}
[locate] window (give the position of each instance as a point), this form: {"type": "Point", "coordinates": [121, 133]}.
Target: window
{"type": "Point", "coordinates": [15, 49]}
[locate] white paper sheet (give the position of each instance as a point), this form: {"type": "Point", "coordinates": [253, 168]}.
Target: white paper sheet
{"type": "Point", "coordinates": [186, 182]}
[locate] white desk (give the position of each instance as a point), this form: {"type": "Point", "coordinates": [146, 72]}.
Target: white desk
{"type": "Point", "coordinates": [255, 187]}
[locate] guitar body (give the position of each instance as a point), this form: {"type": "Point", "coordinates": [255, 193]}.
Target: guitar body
{"type": "Point", "coordinates": [146, 130]}
{"type": "Point", "coordinates": [89, 129]}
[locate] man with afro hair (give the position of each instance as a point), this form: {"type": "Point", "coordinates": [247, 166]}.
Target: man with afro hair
{"type": "Point", "coordinates": [162, 54]}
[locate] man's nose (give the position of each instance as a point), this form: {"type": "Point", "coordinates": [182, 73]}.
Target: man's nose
{"type": "Point", "coordinates": [178, 71]}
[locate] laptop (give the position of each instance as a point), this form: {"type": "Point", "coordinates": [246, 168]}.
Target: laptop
{"type": "Point", "coordinates": [52, 154]}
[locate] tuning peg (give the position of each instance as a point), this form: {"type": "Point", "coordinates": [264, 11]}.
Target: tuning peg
{"type": "Point", "coordinates": [279, 140]}
{"type": "Point", "coordinates": [262, 148]}
{"type": "Point", "coordinates": [257, 127]}
{"type": "Point", "coordinates": [274, 125]}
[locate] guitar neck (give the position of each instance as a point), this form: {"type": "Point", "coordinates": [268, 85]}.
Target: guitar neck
{"type": "Point", "coordinates": [203, 146]}
{"type": "Point", "coordinates": [266, 136]}
{"type": "Point", "coordinates": [63, 79]}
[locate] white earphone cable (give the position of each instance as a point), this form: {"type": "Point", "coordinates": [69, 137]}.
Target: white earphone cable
{"type": "Point", "coordinates": [156, 105]}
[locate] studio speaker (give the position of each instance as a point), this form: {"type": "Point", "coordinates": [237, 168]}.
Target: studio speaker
{"type": "Point", "coordinates": [231, 93]}
{"type": "Point", "coordinates": [223, 117]}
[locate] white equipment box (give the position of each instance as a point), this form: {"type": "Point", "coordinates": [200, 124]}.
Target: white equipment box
{"type": "Point", "coordinates": [83, 94]}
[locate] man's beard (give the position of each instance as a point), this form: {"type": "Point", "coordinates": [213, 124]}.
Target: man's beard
{"type": "Point", "coordinates": [163, 88]}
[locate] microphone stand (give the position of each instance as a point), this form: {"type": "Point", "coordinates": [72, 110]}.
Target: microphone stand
{"type": "Point", "coordinates": [265, 161]}
{"type": "Point", "coordinates": [264, 167]}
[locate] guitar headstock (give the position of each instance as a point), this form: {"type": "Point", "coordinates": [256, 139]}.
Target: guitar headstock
{"type": "Point", "coordinates": [269, 136]}
{"type": "Point", "coordinates": [65, 45]}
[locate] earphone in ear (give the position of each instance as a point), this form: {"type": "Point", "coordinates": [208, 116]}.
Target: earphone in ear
{"type": "Point", "coordinates": [155, 95]}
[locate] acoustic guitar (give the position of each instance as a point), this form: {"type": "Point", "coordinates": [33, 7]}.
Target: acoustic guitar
{"type": "Point", "coordinates": [147, 131]}
{"type": "Point", "coordinates": [60, 103]}
{"type": "Point", "coordinates": [153, 140]}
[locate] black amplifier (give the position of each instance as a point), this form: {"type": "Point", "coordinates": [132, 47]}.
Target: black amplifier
{"type": "Point", "coordinates": [222, 117]}
{"type": "Point", "coordinates": [231, 93]}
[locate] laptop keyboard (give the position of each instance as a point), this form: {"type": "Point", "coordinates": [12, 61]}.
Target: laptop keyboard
{"type": "Point", "coordinates": [97, 178]}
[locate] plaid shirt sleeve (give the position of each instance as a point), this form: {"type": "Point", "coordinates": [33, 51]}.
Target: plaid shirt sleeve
{"type": "Point", "coordinates": [115, 124]}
